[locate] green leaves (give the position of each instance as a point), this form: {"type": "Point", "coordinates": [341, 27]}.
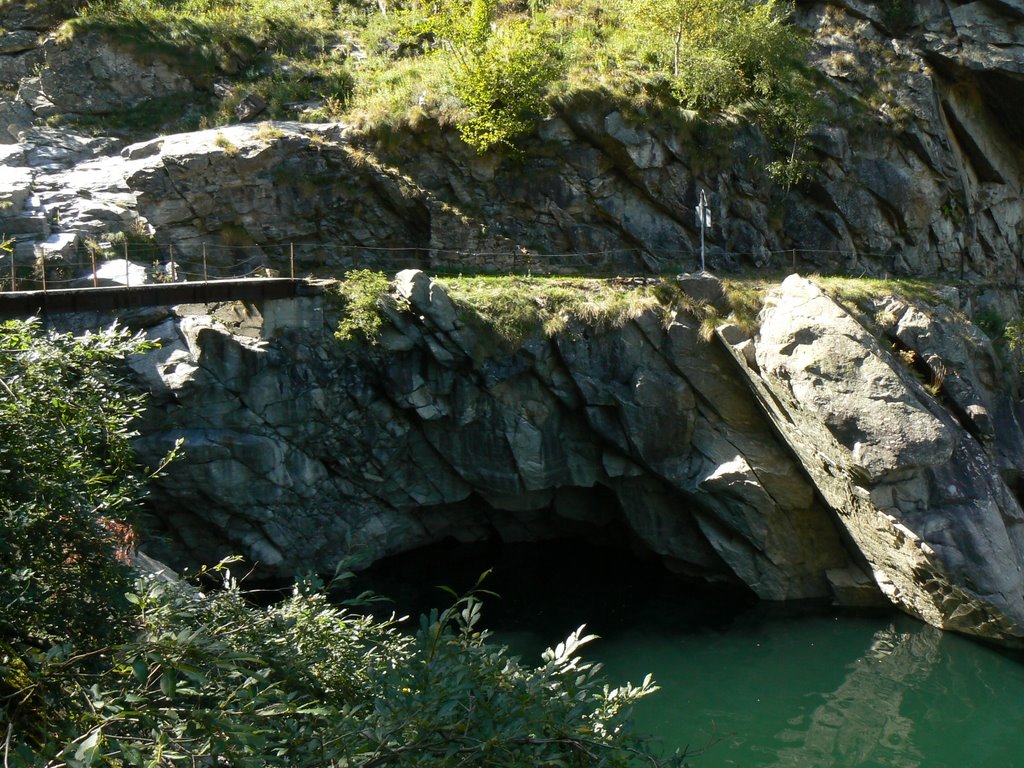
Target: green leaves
{"type": "Point", "coordinates": [366, 295]}
{"type": "Point", "coordinates": [503, 82]}
{"type": "Point", "coordinates": [305, 684]}
{"type": "Point", "coordinates": [500, 67]}
{"type": "Point", "coordinates": [66, 473]}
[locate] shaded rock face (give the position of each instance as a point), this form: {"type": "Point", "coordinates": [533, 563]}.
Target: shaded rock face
{"type": "Point", "coordinates": [808, 461]}
{"type": "Point", "coordinates": [116, 79]}
{"type": "Point", "coordinates": [916, 492]}
{"type": "Point", "coordinates": [300, 450]}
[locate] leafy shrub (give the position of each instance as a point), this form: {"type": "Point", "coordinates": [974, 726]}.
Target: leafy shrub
{"type": "Point", "coordinates": [365, 295]}
{"type": "Point", "coordinates": [66, 467]}
{"type": "Point", "coordinates": [211, 679]}
{"type": "Point", "coordinates": [500, 67]}
{"type": "Point", "coordinates": [503, 84]}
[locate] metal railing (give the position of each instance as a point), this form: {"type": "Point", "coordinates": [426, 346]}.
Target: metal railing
{"type": "Point", "coordinates": [145, 263]}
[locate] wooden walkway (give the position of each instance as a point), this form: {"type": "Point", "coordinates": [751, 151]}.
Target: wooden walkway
{"type": "Point", "coordinates": [40, 303]}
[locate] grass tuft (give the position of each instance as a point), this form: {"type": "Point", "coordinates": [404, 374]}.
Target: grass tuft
{"type": "Point", "coordinates": [516, 308]}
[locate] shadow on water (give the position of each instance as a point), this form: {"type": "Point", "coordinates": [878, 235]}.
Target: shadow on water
{"type": "Point", "coordinates": [805, 686]}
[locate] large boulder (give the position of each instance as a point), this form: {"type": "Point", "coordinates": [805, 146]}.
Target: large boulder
{"type": "Point", "coordinates": [941, 531]}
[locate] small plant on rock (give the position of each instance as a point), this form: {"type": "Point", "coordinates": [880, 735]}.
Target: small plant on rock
{"type": "Point", "coordinates": [365, 295]}
{"type": "Point", "coordinates": [229, 147]}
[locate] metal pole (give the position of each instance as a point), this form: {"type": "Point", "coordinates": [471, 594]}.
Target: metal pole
{"type": "Point", "coordinates": [292, 248]}
{"type": "Point", "coordinates": [702, 237]}
{"type": "Point", "coordinates": [174, 268]}
{"type": "Point", "coordinates": [92, 253]}
{"type": "Point", "coordinates": [127, 272]}
{"type": "Point", "coordinates": [42, 270]}
{"type": "Point", "coordinates": [14, 284]}
{"type": "Point", "coordinates": [205, 278]}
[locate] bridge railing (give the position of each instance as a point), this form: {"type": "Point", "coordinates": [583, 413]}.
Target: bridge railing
{"type": "Point", "coordinates": [134, 263]}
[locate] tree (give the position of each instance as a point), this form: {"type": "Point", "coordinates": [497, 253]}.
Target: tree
{"type": "Point", "coordinates": [722, 51]}
{"type": "Point", "coordinates": [501, 69]}
{"type": "Point", "coordinates": [68, 482]}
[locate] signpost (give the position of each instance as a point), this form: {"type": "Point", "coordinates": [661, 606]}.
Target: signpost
{"type": "Point", "coordinates": [703, 211]}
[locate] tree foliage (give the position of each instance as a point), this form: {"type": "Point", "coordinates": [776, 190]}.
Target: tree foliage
{"type": "Point", "coordinates": [501, 68]}
{"type": "Point", "coordinates": [366, 296]}
{"type": "Point", "coordinates": [68, 481]}
{"type": "Point", "coordinates": [504, 83]}
{"type": "Point", "coordinates": [211, 679]}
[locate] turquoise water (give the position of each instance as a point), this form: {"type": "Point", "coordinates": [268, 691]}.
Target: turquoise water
{"type": "Point", "coordinates": [820, 689]}
{"type": "Point", "coordinates": [744, 684]}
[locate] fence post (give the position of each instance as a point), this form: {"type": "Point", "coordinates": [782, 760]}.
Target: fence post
{"type": "Point", "coordinates": [92, 253]}
{"type": "Point", "coordinates": [292, 249]}
{"type": "Point", "coordinates": [14, 282]}
{"type": "Point", "coordinates": [174, 268]}
{"type": "Point", "coordinates": [205, 278]}
{"type": "Point", "coordinates": [127, 271]}
{"type": "Point", "coordinates": [42, 269]}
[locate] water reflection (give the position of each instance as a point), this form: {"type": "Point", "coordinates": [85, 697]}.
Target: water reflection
{"type": "Point", "coordinates": [794, 687]}
{"type": "Point", "coordinates": [862, 722]}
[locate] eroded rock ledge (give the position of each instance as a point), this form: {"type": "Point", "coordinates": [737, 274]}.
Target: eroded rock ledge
{"type": "Point", "coordinates": [301, 450]}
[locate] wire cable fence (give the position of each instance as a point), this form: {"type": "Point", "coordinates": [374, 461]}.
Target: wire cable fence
{"type": "Point", "coordinates": [133, 264]}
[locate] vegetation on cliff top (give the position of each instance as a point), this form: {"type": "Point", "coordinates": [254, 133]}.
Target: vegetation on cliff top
{"type": "Point", "coordinates": [488, 67]}
{"type": "Point", "coordinates": [515, 307]}
{"type": "Point", "coordinates": [96, 670]}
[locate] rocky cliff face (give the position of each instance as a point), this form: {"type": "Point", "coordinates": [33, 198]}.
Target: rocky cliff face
{"type": "Point", "coordinates": [916, 492]}
{"type": "Point", "coordinates": [807, 462]}
{"type": "Point", "coordinates": [302, 449]}
{"type": "Point", "coordinates": [917, 171]}
{"type": "Point", "coordinates": [803, 463]}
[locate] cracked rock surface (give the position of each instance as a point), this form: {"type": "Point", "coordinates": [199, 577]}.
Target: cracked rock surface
{"type": "Point", "coordinates": [300, 449]}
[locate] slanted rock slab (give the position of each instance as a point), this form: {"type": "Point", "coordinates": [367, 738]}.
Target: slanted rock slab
{"type": "Point", "coordinates": [939, 528]}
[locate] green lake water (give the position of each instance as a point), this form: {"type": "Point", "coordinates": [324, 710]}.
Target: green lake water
{"type": "Point", "coordinates": [743, 683]}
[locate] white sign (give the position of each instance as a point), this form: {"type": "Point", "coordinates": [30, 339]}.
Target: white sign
{"type": "Point", "coordinates": [703, 211]}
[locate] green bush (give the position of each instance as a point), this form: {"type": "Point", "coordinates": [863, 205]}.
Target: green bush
{"type": "Point", "coordinates": [504, 86]}
{"type": "Point", "coordinates": [212, 680]}
{"type": "Point", "coordinates": [68, 483]}
{"type": "Point", "coordinates": [365, 295]}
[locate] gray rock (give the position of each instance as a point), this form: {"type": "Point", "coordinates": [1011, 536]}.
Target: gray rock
{"type": "Point", "coordinates": [90, 74]}
{"type": "Point", "coordinates": [119, 272]}
{"type": "Point", "coordinates": [940, 530]}
{"type": "Point", "coordinates": [18, 41]}
{"type": "Point", "coordinates": [385, 452]}
{"type": "Point", "coordinates": [15, 118]}
{"type": "Point", "coordinates": [249, 107]}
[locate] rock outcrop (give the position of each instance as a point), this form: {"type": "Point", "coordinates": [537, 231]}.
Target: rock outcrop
{"type": "Point", "coordinates": [301, 449]}
{"type": "Point", "coordinates": [917, 493]}
{"type": "Point", "coordinates": [916, 172]}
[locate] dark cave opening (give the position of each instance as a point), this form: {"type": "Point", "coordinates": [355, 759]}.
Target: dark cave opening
{"type": "Point", "coordinates": [598, 575]}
